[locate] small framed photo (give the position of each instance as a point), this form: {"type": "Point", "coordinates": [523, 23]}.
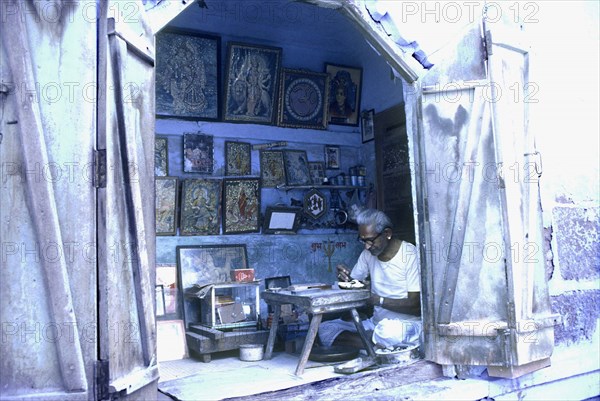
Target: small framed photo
{"type": "Point", "coordinates": [198, 153]}
{"type": "Point", "coordinates": [237, 158]}
{"type": "Point", "coordinates": [317, 172]}
{"type": "Point", "coordinates": [367, 126]}
{"type": "Point", "coordinates": [272, 169]}
{"type": "Point", "coordinates": [303, 99]}
{"type": "Point", "coordinates": [166, 199]}
{"type": "Point", "coordinates": [344, 94]}
{"type": "Point", "coordinates": [281, 220]}
{"type": "Point", "coordinates": [251, 83]}
{"type": "Point", "coordinates": [296, 167]}
{"type": "Point", "coordinates": [200, 207]}
{"type": "Point", "coordinates": [242, 205]}
{"type": "Point", "coordinates": [188, 79]}
{"type": "Point", "coordinates": [161, 156]}
{"type": "Point", "coordinates": [332, 157]}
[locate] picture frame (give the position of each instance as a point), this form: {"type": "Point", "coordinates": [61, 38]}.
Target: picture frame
{"type": "Point", "coordinates": [367, 125]}
{"type": "Point", "coordinates": [237, 158]}
{"type": "Point", "coordinates": [344, 94]}
{"type": "Point", "coordinates": [281, 220]}
{"type": "Point", "coordinates": [200, 207]}
{"type": "Point", "coordinates": [251, 83]}
{"type": "Point", "coordinates": [166, 199]}
{"type": "Point", "coordinates": [166, 278]}
{"type": "Point", "coordinates": [159, 290]}
{"type": "Point", "coordinates": [317, 172]}
{"type": "Point", "coordinates": [241, 200]}
{"type": "Point", "coordinates": [161, 156]}
{"type": "Point", "coordinates": [303, 99]}
{"type": "Point", "coordinates": [296, 168]}
{"type": "Point", "coordinates": [272, 168]}
{"type": "Point", "coordinates": [188, 75]}
{"type": "Point", "coordinates": [170, 337]}
{"type": "Point", "coordinates": [198, 153]}
{"type": "Point", "coordinates": [332, 157]}
{"type": "Point", "coordinates": [314, 204]}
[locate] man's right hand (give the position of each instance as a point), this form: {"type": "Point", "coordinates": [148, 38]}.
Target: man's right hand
{"type": "Point", "coordinates": [343, 274]}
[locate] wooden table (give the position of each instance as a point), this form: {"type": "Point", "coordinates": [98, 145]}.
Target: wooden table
{"type": "Point", "coordinates": [316, 302]}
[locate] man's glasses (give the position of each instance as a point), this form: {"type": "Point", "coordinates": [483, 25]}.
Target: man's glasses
{"type": "Point", "coordinates": [369, 241]}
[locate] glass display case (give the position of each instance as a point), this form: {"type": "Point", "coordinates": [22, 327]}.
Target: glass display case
{"type": "Point", "coordinates": [231, 305]}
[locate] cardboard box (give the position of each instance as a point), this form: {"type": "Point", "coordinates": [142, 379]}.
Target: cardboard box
{"type": "Point", "coordinates": [242, 275]}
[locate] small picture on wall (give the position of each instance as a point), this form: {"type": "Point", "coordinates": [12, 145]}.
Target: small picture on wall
{"type": "Point", "coordinates": [166, 192]}
{"type": "Point", "coordinates": [200, 201]}
{"type": "Point", "coordinates": [198, 153]}
{"type": "Point", "coordinates": [303, 99]}
{"type": "Point", "coordinates": [367, 126]}
{"type": "Point", "coordinates": [332, 157]}
{"type": "Point", "coordinates": [161, 157]}
{"type": "Point", "coordinates": [237, 158]}
{"type": "Point", "coordinates": [272, 170]}
{"type": "Point", "coordinates": [317, 172]}
{"type": "Point", "coordinates": [344, 94]}
{"type": "Point", "coordinates": [296, 167]}
{"type": "Point", "coordinates": [242, 205]}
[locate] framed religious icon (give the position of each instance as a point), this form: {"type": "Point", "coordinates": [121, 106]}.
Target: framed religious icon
{"type": "Point", "coordinates": [188, 75]}
{"type": "Point", "coordinates": [200, 207]}
{"type": "Point", "coordinates": [303, 99]}
{"type": "Point", "coordinates": [241, 205]}
{"type": "Point", "coordinates": [367, 126]}
{"type": "Point", "coordinates": [237, 158]}
{"type": "Point", "coordinates": [161, 156]}
{"type": "Point", "coordinates": [166, 196]}
{"type": "Point", "coordinates": [296, 167]}
{"type": "Point", "coordinates": [272, 169]}
{"type": "Point", "coordinates": [332, 157]}
{"type": "Point", "coordinates": [317, 172]}
{"type": "Point", "coordinates": [198, 153]}
{"type": "Point", "coordinates": [251, 83]}
{"type": "Point", "coordinates": [344, 94]}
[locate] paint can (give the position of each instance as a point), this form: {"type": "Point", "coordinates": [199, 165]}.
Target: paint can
{"type": "Point", "coordinates": [251, 352]}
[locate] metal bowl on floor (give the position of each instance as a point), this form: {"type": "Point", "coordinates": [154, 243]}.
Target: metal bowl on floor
{"type": "Point", "coordinates": [333, 353]}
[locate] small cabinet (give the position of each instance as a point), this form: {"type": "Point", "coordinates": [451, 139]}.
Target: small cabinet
{"type": "Point", "coordinates": [231, 305]}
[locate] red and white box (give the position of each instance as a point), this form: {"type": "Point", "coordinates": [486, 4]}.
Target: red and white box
{"type": "Point", "coordinates": [243, 275]}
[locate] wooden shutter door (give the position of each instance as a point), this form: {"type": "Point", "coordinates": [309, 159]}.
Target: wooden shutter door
{"type": "Point", "coordinates": [126, 209]}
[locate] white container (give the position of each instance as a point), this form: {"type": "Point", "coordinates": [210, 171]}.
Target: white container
{"type": "Point", "coordinates": [251, 352]}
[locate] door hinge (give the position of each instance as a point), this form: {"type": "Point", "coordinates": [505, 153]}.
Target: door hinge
{"type": "Point", "coordinates": [101, 380]}
{"type": "Point", "coordinates": [487, 44]}
{"type": "Point", "coordinates": [99, 168]}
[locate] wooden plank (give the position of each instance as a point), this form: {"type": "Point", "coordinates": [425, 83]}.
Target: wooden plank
{"type": "Point", "coordinates": [308, 342]}
{"type": "Point", "coordinates": [42, 202]}
{"type": "Point", "coordinates": [209, 332]}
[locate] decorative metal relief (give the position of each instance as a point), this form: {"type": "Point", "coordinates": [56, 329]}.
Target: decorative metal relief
{"type": "Point", "coordinates": [303, 99]}
{"type": "Point", "coordinates": [315, 204]}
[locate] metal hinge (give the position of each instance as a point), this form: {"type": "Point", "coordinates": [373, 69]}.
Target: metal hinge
{"type": "Point", "coordinates": [100, 168]}
{"type": "Point", "coordinates": [101, 376]}
{"type": "Point", "coordinates": [487, 44]}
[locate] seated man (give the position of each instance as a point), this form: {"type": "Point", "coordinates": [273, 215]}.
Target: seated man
{"type": "Point", "coordinates": [392, 267]}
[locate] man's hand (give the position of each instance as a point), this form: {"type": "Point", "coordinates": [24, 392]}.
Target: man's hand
{"type": "Point", "coordinates": [343, 274]}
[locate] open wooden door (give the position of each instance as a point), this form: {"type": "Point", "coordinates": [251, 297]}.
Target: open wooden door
{"type": "Point", "coordinates": [485, 294]}
{"type": "Point", "coordinates": [126, 245]}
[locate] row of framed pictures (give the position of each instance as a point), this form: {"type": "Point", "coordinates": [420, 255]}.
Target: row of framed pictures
{"type": "Point", "coordinates": [257, 88]}
{"type": "Point", "coordinates": [277, 167]}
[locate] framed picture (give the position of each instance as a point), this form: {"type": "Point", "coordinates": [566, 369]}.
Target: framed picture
{"type": "Point", "coordinates": [170, 337]}
{"type": "Point", "coordinates": [272, 169]}
{"type": "Point", "coordinates": [200, 202]}
{"type": "Point", "coordinates": [166, 279]}
{"type": "Point", "coordinates": [251, 83]}
{"type": "Point", "coordinates": [188, 75]}
{"type": "Point", "coordinates": [237, 158]}
{"type": "Point", "coordinates": [303, 99]}
{"type": "Point", "coordinates": [198, 153]}
{"type": "Point", "coordinates": [161, 156]}
{"type": "Point", "coordinates": [281, 220]}
{"type": "Point", "coordinates": [332, 157]}
{"type": "Point", "coordinates": [241, 205]}
{"type": "Point", "coordinates": [344, 94]}
{"type": "Point", "coordinates": [296, 167]}
{"type": "Point", "coordinates": [367, 126]}
{"type": "Point", "coordinates": [315, 204]}
{"type": "Point", "coordinates": [317, 172]}
{"type": "Point", "coordinates": [159, 289]}
{"type": "Point", "coordinates": [166, 199]}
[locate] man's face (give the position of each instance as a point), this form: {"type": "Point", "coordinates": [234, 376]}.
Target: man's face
{"type": "Point", "coordinates": [373, 241]}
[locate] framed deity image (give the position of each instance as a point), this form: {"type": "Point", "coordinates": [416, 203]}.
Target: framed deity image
{"type": "Point", "coordinates": [344, 94]}
{"type": "Point", "coordinates": [166, 199]}
{"type": "Point", "coordinates": [303, 99]}
{"type": "Point", "coordinates": [237, 158]}
{"type": "Point", "coordinates": [332, 157]}
{"type": "Point", "coordinates": [317, 172]}
{"type": "Point", "coordinates": [188, 79]}
{"type": "Point", "coordinates": [281, 220]}
{"type": "Point", "coordinates": [251, 83]}
{"type": "Point", "coordinates": [296, 167]}
{"type": "Point", "coordinates": [367, 126]}
{"type": "Point", "coordinates": [241, 205]}
{"type": "Point", "coordinates": [272, 169]}
{"type": "Point", "coordinates": [198, 153]}
{"type": "Point", "coordinates": [161, 156]}
{"type": "Point", "coordinates": [200, 207]}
